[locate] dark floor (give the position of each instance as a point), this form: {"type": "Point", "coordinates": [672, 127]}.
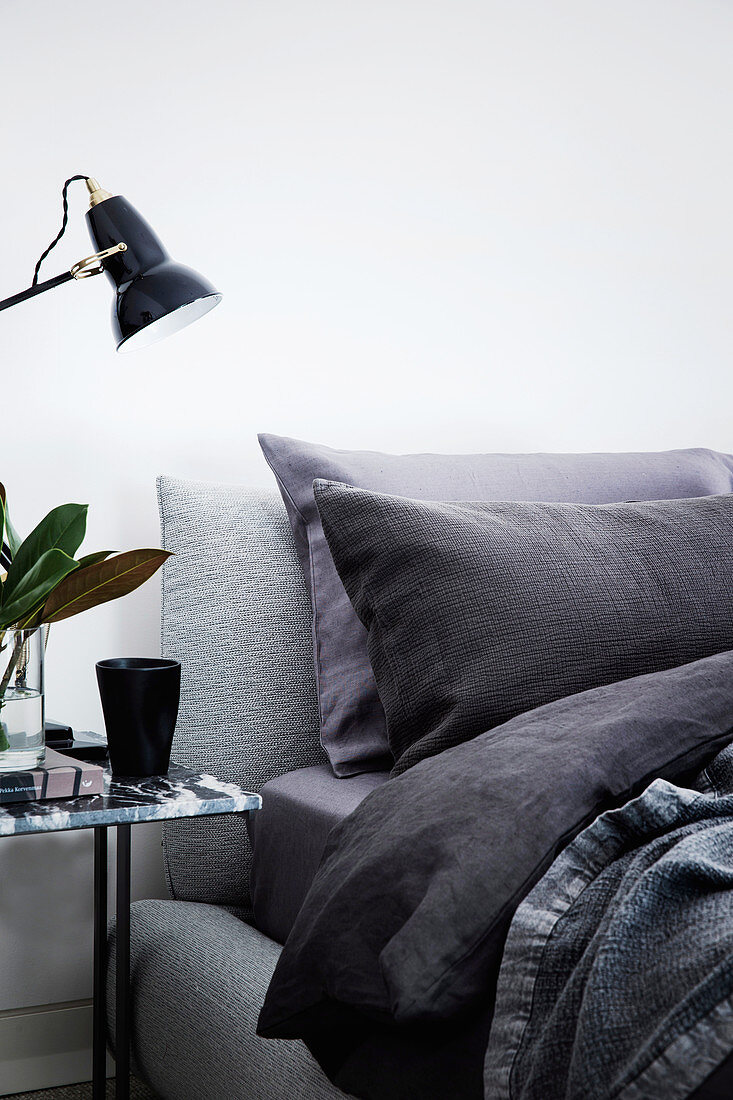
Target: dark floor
{"type": "Point", "coordinates": [138, 1091]}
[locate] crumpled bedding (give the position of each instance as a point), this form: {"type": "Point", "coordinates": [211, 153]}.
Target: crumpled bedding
{"type": "Point", "coordinates": [390, 971]}
{"type": "Point", "coordinates": [617, 976]}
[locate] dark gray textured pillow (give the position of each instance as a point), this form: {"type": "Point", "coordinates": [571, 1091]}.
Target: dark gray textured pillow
{"type": "Point", "coordinates": [477, 612]}
{"type": "Point", "coordinates": [352, 719]}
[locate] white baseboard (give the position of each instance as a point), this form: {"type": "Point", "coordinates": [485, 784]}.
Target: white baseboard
{"type": "Point", "coordinates": [46, 1046]}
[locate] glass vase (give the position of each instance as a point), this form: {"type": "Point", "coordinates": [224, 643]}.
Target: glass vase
{"type": "Point", "coordinates": [22, 741]}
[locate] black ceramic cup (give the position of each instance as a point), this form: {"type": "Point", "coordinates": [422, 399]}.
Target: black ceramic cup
{"type": "Point", "coordinates": [140, 706]}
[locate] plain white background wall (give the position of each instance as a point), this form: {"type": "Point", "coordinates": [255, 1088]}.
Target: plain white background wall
{"type": "Point", "coordinates": [466, 225]}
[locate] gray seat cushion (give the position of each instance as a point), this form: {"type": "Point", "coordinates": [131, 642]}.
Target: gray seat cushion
{"type": "Point", "coordinates": [289, 834]}
{"type": "Point", "coordinates": [199, 976]}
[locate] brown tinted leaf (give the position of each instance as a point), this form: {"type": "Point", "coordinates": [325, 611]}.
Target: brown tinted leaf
{"type": "Point", "coordinates": [103, 581]}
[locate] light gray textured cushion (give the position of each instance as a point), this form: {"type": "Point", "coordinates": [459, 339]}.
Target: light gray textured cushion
{"type": "Point", "coordinates": [236, 615]}
{"type": "Point", "coordinates": [199, 976]}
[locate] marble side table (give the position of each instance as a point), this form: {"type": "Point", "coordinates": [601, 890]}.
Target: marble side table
{"type": "Point", "coordinates": [125, 802]}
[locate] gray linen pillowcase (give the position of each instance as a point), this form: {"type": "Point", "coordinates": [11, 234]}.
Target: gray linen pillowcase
{"type": "Point", "coordinates": [406, 918]}
{"type": "Point", "coordinates": [477, 612]}
{"type": "Point", "coordinates": [353, 728]}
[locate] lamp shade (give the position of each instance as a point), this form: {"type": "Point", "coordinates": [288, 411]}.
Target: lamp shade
{"type": "Point", "coordinates": [154, 295]}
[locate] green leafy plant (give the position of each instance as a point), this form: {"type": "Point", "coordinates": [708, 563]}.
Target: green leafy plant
{"type": "Point", "coordinates": [46, 582]}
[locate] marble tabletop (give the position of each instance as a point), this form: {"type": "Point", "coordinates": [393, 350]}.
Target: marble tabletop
{"type": "Point", "coordinates": [183, 792]}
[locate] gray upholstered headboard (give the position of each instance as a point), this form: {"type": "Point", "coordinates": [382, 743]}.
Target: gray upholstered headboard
{"type": "Point", "coordinates": [236, 614]}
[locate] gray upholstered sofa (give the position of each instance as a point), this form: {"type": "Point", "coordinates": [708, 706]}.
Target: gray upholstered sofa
{"type": "Point", "coordinates": [236, 614]}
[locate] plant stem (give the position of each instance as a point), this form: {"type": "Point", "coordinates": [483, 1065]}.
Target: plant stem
{"type": "Point", "coordinates": [20, 641]}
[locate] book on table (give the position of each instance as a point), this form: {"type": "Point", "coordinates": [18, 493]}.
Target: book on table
{"type": "Point", "coordinates": [60, 776]}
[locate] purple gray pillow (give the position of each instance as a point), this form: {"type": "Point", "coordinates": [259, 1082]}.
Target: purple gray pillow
{"type": "Point", "coordinates": [353, 728]}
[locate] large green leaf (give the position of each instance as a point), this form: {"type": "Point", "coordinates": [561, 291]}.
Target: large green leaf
{"type": "Point", "coordinates": [106, 580]}
{"type": "Point", "coordinates": [11, 535]}
{"type": "Point", "coordinates": [62, 529]}
{"type": "Point", "coordinates": [35, 586]}
{"type": "Point", "coordinates": [7, 531]}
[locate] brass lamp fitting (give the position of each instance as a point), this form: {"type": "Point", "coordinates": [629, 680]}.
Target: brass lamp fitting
{"type": "Point", "coordinates": [97, 194]}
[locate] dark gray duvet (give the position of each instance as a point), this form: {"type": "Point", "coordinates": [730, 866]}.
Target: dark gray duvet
{"type": "Point", "coordinates": [617, 977]}
{"type": "Point", "coordinates": [390, 972]}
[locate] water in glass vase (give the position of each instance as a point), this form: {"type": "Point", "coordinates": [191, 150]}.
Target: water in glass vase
{"type": "Point", "coordinates": [21, 730]}
{"type": "Point", "coordinates": [22, 742]}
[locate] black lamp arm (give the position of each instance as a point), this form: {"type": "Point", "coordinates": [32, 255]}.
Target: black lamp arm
{"type": "Point", "coordinates": [39, 288]}
{"type": "Point", "coordinates": [49, 284]}
{"type": "Point", "coordinates": [83, 269]}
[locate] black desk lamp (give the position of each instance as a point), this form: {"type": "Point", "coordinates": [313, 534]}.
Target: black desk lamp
{"type": "Point", "coordinates": [154, 295]}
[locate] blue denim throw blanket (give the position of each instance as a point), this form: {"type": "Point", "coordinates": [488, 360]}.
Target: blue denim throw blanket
{"type": "Point", "coordinates": [617, 977]}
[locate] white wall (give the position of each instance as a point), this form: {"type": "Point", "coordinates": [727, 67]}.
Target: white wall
{"type": "Point", "coordinates": [467, 225]}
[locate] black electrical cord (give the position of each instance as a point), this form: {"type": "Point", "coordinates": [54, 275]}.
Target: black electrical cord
{"type": "Point", "coordinates": [62, 230]}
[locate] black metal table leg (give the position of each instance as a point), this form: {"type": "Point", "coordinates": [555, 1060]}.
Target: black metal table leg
{"type": "Point", "coordinates": [122, 1010]}
{"type": "Point", "coordinates": [99, 1043]}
